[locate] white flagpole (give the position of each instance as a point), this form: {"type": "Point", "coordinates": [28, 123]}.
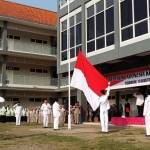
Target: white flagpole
{"type": "Point", "coordinates": [69, 111]}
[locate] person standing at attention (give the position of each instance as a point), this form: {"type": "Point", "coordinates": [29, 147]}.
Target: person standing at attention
{"type": "Point", "coordinates": [104, 107]}
{"type": "Point", "coordinates": [18, 112]}
{"type": "Point", "coordinates": [56, 114]}
{"type": "Point", "coordinates": [45, 108]}
{"type": "Point", "coordinates": [146, 114]}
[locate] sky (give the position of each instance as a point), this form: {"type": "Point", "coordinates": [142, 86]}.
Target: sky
{"type": "Point", "coordinates": [45, 4]}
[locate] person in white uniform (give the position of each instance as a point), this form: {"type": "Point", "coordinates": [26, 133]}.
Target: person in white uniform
{"type": "Point", "coordinates": [56, 114]}
{"type": "Point", "coordinates": [45, 108]}
{"type": "Point", "coordinates": [146, 114]}
{"type": "Point", "coordinates": [18, 112]}
{"type": "Point", "coordinates": [139, 103]}
{"type": "Point", "coordinates": [104, 107]}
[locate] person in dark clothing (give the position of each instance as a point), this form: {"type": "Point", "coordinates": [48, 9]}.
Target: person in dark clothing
{"type": "Point", "coordinates": [127, 109]}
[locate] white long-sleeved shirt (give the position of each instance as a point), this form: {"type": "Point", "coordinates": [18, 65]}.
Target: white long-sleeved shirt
{"type": "Point", "coordinates": [139, 99]}
{"type": "Point", "coordinates": [146, 111]}
{"type": "Point", "coordinates": [104, 103]}
{"type": "Point", "coordinates": [18, 109]}
{"type": "Point", "coordinates": [46, 108]}
{"type": "Point", "coordinates": [56, 110]}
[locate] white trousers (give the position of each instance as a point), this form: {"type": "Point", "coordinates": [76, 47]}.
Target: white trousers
{"type": "Point", "coordinates": [147, 124]}
{"type": "Point", "coordinates": [104, 120]}
{"type": "Point", "coordinates": [56, 122]}
{"type": "Point", "coordinates": [45, 120]}
{"type": "Point", "coordinates": [18, 120]}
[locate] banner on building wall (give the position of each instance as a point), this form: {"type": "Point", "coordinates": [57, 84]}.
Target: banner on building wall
{"type": "Point", "coordinates": [130, 78]}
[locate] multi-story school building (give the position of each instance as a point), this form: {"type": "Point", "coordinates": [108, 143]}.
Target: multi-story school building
{"type": "Point", "coordinates": [115, 37]}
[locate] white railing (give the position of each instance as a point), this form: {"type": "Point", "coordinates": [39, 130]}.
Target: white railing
{"type": "Point", "coordinates": [32, 80]}
{"type": "Point", "coordinates": [0, 43]}
{"type": "Point", "coordinates": [34, 48]}
{"type": "Point", "coordinates": [64, 81]}
{"type": "Point", "coordinates": [54, 81]}
{"type": "Point", "coordinates": [0, 78]}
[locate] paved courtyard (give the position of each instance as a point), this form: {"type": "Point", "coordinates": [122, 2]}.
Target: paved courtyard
{"type": "Point", "coordinates": [81, 137]}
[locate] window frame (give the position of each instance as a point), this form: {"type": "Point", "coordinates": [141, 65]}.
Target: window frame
{"type": "Point", "coordinates": [106, 48]}
{"type": "Point", "coordinates": [67, 18]}
{"type": "Point", "coordinates": [140, 37]}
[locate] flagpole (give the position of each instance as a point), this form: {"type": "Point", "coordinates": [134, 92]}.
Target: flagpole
{"type": "Point", "coordinates": [69, 111]}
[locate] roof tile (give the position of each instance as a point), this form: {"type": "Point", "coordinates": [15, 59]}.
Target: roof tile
{"type": "Point", "coordinates": [27, 13]}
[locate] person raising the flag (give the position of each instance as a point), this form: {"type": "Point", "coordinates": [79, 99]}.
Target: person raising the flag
{"type": "Point", "coordinates": [104, 107]}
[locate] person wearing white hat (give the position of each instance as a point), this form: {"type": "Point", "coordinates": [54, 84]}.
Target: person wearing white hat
{"type": "Point", "coordinates": [18, 113]}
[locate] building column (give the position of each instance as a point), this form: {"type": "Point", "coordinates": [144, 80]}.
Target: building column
{"type": "Point", "coordinates": [116, 26]}
{"type": "Point", "coordinates": [4, 37]}
{"type": "Point", "coordinates": [4, 76]}
{"type": "Point", "coordinates": [117, 100]}
{"type": "Point", "coordinates": [83, 105]}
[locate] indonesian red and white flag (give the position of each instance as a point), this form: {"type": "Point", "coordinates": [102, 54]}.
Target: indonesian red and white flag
{"type": "Point", "coordinates": [89, 80]}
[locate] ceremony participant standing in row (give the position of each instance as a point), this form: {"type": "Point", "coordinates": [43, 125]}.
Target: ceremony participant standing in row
{"type": "Point", "coordinates": [104, 107]}
{"type": "Point", "coordinates": [139, 103]}
{"type": "Point", "coordinates": [45, 108]}
{"type": "Point", "coordinates": [146, 114]}
{"type": "Point", "coordinates": [56, 114]}
{"type": "Point", "coordinates": [18, 113]}
{"type": "Point", "coordinates": [76, 113]}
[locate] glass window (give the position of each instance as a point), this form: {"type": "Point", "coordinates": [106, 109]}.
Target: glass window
{"type": "Point", "coordinates": [109, 3]}
{"type": "Point", "coordinates": [64, 55]}
{"type": "Point", "coordinates": [126, 12]}
{"type": "Point", "coordinates": [100, 24]}
{"type": "Point", "coordinates": [90, 11]}
{"type": "Point", "coordinates": [110, 20]}
{"type": "Point", "coordinates": [140, 9]}
{"type": "Point", "coordinates": [72, 53]}
{"type": "Point", "coordinates": [72, 37]}
{"type": "Point", "coordinates": [90, 29]}
{"type": "Point", "coordinates": [91, 46]}
{"type": "Point", "coordinates": [100, 6]}
{"type": "Point", "coordinates": [78, 17]}
{"type": "Point", "coordinates": [16, 37]}
{"type": "Point", "coordinates": [78, 34]}
{"type": "Point", "coordinates": [141, 28]}
{"type": "Point", "coordinates": [64, 40]}
{"type": "Point", "coordinates": [100, 43]}
{"type": "Point", "coordinates": [64, 25]}
{"type": "Point", "coordinates": [110, 39]}
{"type": "Point", "coordinates": [127, 33]}
{"type": "Point", "coordinates": [72, 21]}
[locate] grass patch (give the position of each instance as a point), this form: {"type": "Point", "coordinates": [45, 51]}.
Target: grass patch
{"type": "Point", "coordinates": [56, 138]}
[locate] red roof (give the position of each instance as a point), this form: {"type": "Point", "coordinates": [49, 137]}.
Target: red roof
{"type": "Point", "coordinates": [27, 13]}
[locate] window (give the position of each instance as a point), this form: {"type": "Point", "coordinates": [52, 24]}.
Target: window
{"type": "Point", "coordinates": [53, 41]}
{"type": "Point", "coordinates": [13, 37]}
{"type": "Point", "coordinates": [38, 70]}
{"type": "Point", "coordinates": [39, 41]}
{"type": "Point", "coordinates": [100, 15]}
{"type": "Point", "coordinates": [134, 18]}
{"type": "Point", "coordinates": [16, 37]}
{"type": "Point", "coordinates": [75, 32]}
{"type": "Point", "coordinates": [12, 68]}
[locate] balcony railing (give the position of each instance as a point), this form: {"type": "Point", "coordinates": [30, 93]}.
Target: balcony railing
{"type": "Point", "coordinates": [0, 43]}
{"type": "Point", "coordinates": [0, 78]}
{"type": "Point", "coordinates": [64, 81]}
{"type": "Point", "coordinates": [54, 81]}
{"type": "Point", "coordinates": [34, 48]}
{"type": "Point", "coordinates": [32, 80]}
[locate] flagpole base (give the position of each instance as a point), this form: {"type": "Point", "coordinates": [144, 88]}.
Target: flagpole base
{"type": "Point", "coordinates": [69, 122]}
